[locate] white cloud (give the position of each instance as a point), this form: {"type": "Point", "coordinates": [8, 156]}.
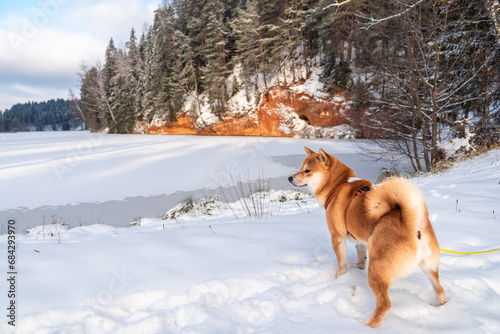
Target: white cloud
{"type": "Point", "coordinates": [43, 44]}
{"type": "Point", "coordinates": [49, 53]}
{"type": "Point", "coordinates": [112, 18]}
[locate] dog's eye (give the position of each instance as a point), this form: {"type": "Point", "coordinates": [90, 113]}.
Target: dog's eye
{"type": "Point", "coordinates": [307, 171]}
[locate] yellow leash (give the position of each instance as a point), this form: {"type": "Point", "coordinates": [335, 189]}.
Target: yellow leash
{"type": "Point", "coordinates": [468, 253]}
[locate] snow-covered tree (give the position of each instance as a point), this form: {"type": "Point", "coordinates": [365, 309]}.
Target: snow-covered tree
{"type": "Point", "coordinates": [252, 44]}
{"type": "Point", "coordinates": [159, 62]}
{"type": "Point", "coordinates": [418, 65]}
{"type": "Point", "coordinates": [93, 97]}
{"type": "Point", "coordinates": [123, 103]}
{"type": "Point", "coordinates": [136, 75]}
{"type": "Point", "coordinates": [186, 82]}
{"type": "Point", "coordinates": [426, 74]}
{"type": "Point", "coordinates": [216, 55]}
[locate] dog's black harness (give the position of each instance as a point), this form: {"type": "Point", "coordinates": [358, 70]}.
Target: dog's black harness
{"type": "Point", "coordinates": [362, 190]}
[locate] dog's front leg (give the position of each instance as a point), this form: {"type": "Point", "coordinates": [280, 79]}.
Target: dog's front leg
{"type": "Point", "coordinates": [340, 248]}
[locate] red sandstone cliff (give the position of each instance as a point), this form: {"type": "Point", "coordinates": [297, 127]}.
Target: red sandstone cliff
{"type": "Point", "coordinates": [282, 112]}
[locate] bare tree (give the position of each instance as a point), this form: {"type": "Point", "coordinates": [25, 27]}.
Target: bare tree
{"type": "Point", "coordinates": [96, 107]}
{"type": "Point", "coordinates": [493, 7]}
{"type": "Point", "coordinates": [75, 110]}
{"type": "Point", "coordinates": [422, 76]}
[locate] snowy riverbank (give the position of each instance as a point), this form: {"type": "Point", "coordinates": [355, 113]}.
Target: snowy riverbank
{"type": "Point", "coordinates": [219, 274]}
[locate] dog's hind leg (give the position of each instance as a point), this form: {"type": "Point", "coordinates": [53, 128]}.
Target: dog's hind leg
{"type": "Point", "coordinates": [430, 269]}
{"type": "Point", "coordinates": [433, 277]}
{"type": "Point", "coordinates": [380, 287]}
{"type": "Point", "coordinates": [361, 250]}
{"type": "Point", "coordinates": [430, 265]}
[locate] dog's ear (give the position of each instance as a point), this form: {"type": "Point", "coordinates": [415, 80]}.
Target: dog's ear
{"type": "Point", "coordinates": [323, 157]}
{"type": "Point", "coordinates": [308, 150]}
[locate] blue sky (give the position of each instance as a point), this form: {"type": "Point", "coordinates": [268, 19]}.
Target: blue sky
{"type": "Point", "coordinates": [43, 42]}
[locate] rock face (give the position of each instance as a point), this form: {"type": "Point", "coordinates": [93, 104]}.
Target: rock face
{"type": "Point", "coordinates": [277, 115]}
{"type": "Point", "coordinates": [289, 106]}
{"type": "Point", "coordinates": [183, 126]}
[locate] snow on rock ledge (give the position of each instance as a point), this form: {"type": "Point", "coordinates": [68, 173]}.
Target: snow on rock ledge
{"type": "Point", "coordinates": [282, 112]}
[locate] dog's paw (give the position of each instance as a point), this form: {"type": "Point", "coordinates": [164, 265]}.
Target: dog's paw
{"type": "Point", "coordinates": [374, 321]}
{"type": "Point", "coordinates": [438, 303]}
{"type": "Point", "coordinates": [341, 272]}
{"type": "Point", "coordinates": [440, 299]}
{"type": "Point", "coordinates": [360, 266]}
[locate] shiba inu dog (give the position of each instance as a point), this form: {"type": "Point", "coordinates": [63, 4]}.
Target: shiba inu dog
{"type": "Point", "coordinates": [388, 223]}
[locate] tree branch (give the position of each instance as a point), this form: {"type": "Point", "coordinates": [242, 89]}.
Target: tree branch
{"type": "Point", "coordinates": [374, 22]}
{"type": "Point", "coordinates": [337, 4]}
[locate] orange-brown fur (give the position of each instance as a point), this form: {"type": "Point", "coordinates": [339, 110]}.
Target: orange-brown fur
{"type": "Point", "coordinates": [389, 225]}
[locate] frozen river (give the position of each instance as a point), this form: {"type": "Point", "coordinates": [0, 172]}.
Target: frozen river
{"type": "Point", "coordinates": [82, 178]}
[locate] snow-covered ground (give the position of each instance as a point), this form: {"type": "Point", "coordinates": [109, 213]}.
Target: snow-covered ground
{"type": "Point", "coordinates": [220, 274]}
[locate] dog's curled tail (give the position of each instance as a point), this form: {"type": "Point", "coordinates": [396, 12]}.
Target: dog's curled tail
{"type": "Point", "coordinates": [393, 192]}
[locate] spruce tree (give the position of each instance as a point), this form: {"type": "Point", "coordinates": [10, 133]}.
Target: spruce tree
{"type": "Point", "coordinates": [191, 24]}
{"type": "Point", "coordinates": [108, 73]}
{"type": "Point", "coordinates": [149, 77]}
{"type": "Point", "coordinates": [294, 25]}
{"type": "Point", "coordinates": [252, 43]}
{"type": "Point", "coordinates": [163, 57]}
{"type": "Point", "coordinates": [123, 101]}
{"type": "Point", "coordinates": [136, 75]}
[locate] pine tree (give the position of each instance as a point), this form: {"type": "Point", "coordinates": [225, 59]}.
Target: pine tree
{"type": "Point", "coordinates": [149, 77]}
{"type": "Point", "coordinates": [216, 54]}
{"type": "Point", "coordinates": [123, 101]}
{"type": "Point", "coordinates": [192, 25]}
{"type": "Point", "coordinates": [273, 32]}
{"type": "Point", "coordinates": [294, 25]}
{"type": "Point", "coordinates": [108, 72]}
{"type": "Point", "coordinates": [136, 76]}
{"type": "Point", "coordinates": [162, 60]}
{"type": "Point", "coordinates": [109, 64]}
{"type": "Point", "coordinates": [186, 81]}
{"type": "Point", "coordinates": [251, 43]}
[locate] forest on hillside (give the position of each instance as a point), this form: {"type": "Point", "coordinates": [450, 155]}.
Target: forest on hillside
{"type": "Point", "coordinates": [52, 115]}
{"type": "Point", "coordinates": [415, 70]}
